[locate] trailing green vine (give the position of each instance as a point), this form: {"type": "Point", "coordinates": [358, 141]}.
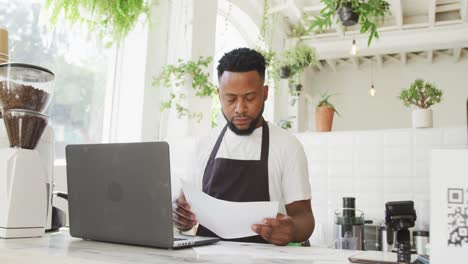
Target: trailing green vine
{"type": "Point", "coordinates": [112, 20]}
{"type": "Point", "coordinates": [370, 12]}
{"type": "Point", "coordinates": [265, 21]}
{"type": "Point", "coordinates": [174, 76]}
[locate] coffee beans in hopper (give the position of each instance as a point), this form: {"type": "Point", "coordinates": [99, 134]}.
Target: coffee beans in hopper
{"type": "Point", "coordinates": [24, 128]}
{"type": "Point", "coordinates": [19, 96]}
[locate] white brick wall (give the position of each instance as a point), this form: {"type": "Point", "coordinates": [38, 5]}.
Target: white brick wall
{"type": "Point", "coordinates": [373, 166]}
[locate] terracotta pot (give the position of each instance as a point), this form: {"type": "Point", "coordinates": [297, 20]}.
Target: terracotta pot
{"type": "Point", "coordinates": [324, 118]}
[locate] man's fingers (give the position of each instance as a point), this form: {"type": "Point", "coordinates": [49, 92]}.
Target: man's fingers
{"type": "Point", "coordinates": [277, 230]}
{"type": "Point", "coordinates": [279, 242]}
{"type": "Point", "coordinates": [182, 223]}
{"type": "Point", "coordinates": [183, 208]}
{"type": "Point", "coordinates": [271, 222]}
{"type": "Point", "coordinates": [182, 203]}
{"type": "Point", "coordinates": [280, 216]}
{"type": "Point", "coordinates": [182, 220]}
{"type": "Point", "coordinates": [179, 221]}
{"type": "Point", "coordinates": [182, 196]}
{"type": "Point", "coordinates": [263, 230]}
{"type": "Point", "coordinates": [184, 213]}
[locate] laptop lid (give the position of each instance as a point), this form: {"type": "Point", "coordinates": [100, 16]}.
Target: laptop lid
{"type": "Point", "coordinates": [120, 193]}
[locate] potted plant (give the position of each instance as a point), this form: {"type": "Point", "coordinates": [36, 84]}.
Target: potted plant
{"type": "Point", "coordinates": [366, 13]}
{"type": "Point", "coordinates": [297, 58]}
{"type": "Point", "coordinates": [286, 123]}
{"type": "Point", "coordinates": [285, 71]}
{"type": "Point", "coordinates": [324, 113]}
{"type": "Point", "coordinates": [422, 95]}
{"type": "Point", "coordinates": [175, 76]}
{"type": "Point", "coordinates": [271, 63]}
{"type": "Point", "coordinates": [112, 20]}
{"type": "Point", "coordinates": [347, 15]}
{"type": "Point", "coordinates": [293, 63]}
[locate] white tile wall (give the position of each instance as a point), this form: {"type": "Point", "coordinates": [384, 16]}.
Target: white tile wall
{"type": "Point", "coordinates": [373, 166]}
{"type": "Point", "coordinates": [454, 136]}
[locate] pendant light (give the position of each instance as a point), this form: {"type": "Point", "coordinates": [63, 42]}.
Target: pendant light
{"type": "Point", "coordinates": [354, 48]}
{"type": "Point", "coordinates": [372, 90]}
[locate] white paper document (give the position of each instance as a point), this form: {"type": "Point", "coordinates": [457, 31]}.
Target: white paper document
{"type": "Point", "coordinates": [227, 219]}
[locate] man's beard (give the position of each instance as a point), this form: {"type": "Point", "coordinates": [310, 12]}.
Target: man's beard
{"type": "Point", "coordinates": [247, 131]}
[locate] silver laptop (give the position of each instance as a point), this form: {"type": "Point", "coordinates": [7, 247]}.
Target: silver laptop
{"type": "Point", "coordinates": [121, 193]}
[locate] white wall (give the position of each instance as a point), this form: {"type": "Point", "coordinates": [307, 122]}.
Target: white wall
{"type": "Point", "coordinates": [360, 111]}
{"type": "Point", "coordinates": [375, 167]}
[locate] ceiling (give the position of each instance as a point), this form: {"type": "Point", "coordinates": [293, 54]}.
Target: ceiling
{"type": "Point", "coordinates": [416, 30]}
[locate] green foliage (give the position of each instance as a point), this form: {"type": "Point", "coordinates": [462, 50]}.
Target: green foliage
{"type": "Point", "coordinates": [299, 30]}
{"type": "Point", "coordinates": [111, 19]}
{"type": "Point", "coordinates": [421, 94]}
{"type": "Point", "coordinates": [271, 58]}
{"type": "Point", "coordinates": [370, 12]}
{"type": "Point", "coordinates": [174, 76]}
{"type": "Point", "coordinates": [299, 57]}
{"type": "Point", "coordinates": [296, 59]}
{"type": "Point", "coordinates": [286, 123]}
{"type": "Point", "coordinates": [215, 110]}
{"type": "Point", "coordinates": [264, 28]}
{"type": "Point", "coordinates": [272, 64]}
{"type": "Point", "coordinates": [76, 105]}
{"type": "Point", "coordinates": [323, 102]}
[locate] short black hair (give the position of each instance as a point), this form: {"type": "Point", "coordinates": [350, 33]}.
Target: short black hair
{"type": "Point", "coordinates": [242, 60]}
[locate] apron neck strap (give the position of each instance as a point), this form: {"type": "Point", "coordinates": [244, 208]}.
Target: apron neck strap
{"type": "Point", "coordinates": [265, 141]}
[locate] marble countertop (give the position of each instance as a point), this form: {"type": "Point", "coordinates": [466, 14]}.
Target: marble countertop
{"type": "Point", "coordinates": [60, 247]}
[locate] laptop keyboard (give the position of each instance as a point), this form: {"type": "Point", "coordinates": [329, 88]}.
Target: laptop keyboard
{"type": "Point", "coordinates": [179, 239]}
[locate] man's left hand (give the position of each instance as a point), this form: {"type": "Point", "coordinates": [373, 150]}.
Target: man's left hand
{"type": "Point", "coordinates": [278, 231]}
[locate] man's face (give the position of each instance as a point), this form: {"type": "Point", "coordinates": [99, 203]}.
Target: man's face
{"type": "Point", "coordinates": [242, 96]}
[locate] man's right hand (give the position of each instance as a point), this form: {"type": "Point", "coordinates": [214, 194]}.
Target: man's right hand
{"type": "Point", "coordinates": [183, 218]}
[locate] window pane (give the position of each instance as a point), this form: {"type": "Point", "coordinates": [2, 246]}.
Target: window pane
{"type": "Point", "coordinates": [83, 69]}
{"type": "Point", "coordinates": [229, 37]}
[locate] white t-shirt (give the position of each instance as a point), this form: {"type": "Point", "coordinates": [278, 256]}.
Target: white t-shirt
{"type": "Point", "coordinates": [288, 177]}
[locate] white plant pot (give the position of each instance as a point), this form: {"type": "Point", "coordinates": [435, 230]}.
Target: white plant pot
{"type": "Point", "coordinates": [422, 118]}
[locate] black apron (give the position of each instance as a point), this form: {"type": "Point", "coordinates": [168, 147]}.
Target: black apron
{"type": "Point", "coordinates": [237, 180]}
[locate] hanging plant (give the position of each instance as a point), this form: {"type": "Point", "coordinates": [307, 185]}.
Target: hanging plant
{"type": "Point", "coordinates": [299, 30]}
{"type": "Point", "coordinates": [112, 20]}
{"type": "Point", "coordinates": [292, 65]}
{"type": "Point", "coordinates": [367, 13]}
{"type": "Point", "coordinates": [286, 123]}
{"type": "Point", "coordinates": [272, 64]}
{"type": "Point", "coordinates": [265, 26]}
{"type": "Point", "coordinates": [174, 77]}
{"type": "Point", "coordinates": [299, 57]}
{"type": "Point", "coordinates": [271, 57]}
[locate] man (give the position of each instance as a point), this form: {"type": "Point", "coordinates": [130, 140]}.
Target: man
{"type": "Point", "coordinates": [251, 159]}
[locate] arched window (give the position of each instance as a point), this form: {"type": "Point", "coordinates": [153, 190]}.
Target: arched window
{"type": "Point", "coordinates": [235, 29]}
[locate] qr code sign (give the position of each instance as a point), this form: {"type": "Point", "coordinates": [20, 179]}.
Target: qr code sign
{"type": "Point", "coordinates": [457, 205]}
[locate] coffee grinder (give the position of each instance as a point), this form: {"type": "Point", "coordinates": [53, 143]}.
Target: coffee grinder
{"type": "Point", "coordinates": [349, 226]}
{"type": "Point", "coordinates": [26, 165]}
